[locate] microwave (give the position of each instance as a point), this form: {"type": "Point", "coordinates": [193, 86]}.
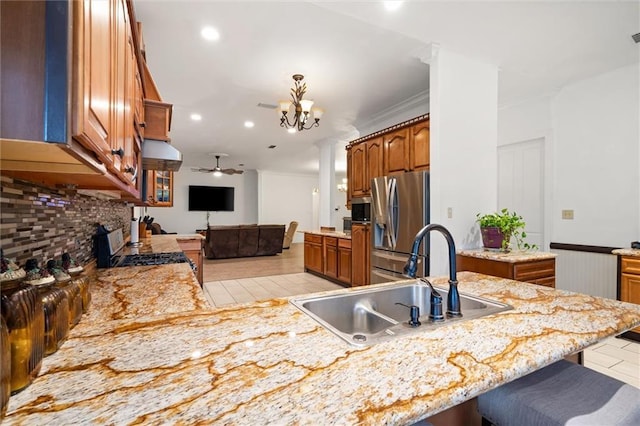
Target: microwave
{"type": "Point", "coordinates": [361, 210]}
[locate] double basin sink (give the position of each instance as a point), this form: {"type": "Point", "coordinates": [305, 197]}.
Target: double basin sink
{"type": "Point", "coordinates": [372, 315]}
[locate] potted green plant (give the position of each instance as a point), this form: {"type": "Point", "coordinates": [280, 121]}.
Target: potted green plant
{"type": "Point", "coordinates": [498, 228]}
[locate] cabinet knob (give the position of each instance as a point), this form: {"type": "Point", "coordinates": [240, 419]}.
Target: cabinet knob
{"type": "Point", "coordinates": [119, 152]}
{"type": "Point", "coordinates": [143, 124]}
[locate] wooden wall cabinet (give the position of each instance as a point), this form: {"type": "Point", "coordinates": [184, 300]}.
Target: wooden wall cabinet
{"type": "Point", "coordinates": [360, 248]}
{"type": "Point", "coordinates": [630, 283]}
{"type": "Point", "coordinates": [396, 152]}
{"type": "Point", "coordinates": [159, 188]}
{"type": "Point", "coordinates": [401, 148]}
{"type": "Point", "coordinates": [97, 100]}
{"type": "Point", "coordinates": [158, 119]}
{"type": "Point", "coordinates": [193, 248]}
{"type": "Point", "coordinates": [541, 272]}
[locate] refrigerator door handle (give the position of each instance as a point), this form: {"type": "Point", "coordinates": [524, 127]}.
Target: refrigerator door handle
{"type": "Point", "coordinates": [393, 232]}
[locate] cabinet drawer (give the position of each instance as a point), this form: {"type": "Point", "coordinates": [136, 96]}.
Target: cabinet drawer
{"type": "Point", "coordinates": [331, 241]}
{"type": "Point", "coordinates": [547, 282]}
{"type": "Point", "coordinates": [312, 238]}
{"type": "Point", "coordinates": [630, 265]}
{"type": "Point", "coordinates": [344, 243]}
{"type": "Point", "coordinates": [530, 271]}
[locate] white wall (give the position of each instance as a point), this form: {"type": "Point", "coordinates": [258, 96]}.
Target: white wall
{"type": "Point", "coordinates": [596, 125]}
{"type": "Point", "coordinates": [179, 219]}
{"type": "Point", "coordinates": [284, 197]}
{"type": "Point", "coordinates": [592, 134]}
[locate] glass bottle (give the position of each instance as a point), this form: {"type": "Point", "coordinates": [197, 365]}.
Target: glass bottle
{"type": "Point", "coordinates": [71, 267]}
{"type": "Point", "coordinates": [56, 316]}
{"type": "Point", "coordinates": [72, 290]}
{"type": "Point", "coordinates": [5, 368]}
{"type": "Point", "coordinates": [85, 293]}
{"type": "Point", "coordinates": [24, 316]}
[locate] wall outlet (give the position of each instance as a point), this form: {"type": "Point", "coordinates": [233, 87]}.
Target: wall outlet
{"type": "Point", "coordinates": [450, 212]}
{"type": "Point", "coordinates": [567, 214]}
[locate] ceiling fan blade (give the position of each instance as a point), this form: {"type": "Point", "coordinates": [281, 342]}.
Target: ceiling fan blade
{"type": "Point", "coordinates": [202, 170]}
{"type": "Point", "coordinates": [232, 171]}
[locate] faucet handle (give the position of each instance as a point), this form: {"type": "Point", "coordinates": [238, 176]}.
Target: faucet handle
{"type": "Point", "coordinates": [435, 300]}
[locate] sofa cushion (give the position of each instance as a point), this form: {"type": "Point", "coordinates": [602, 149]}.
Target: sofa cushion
{"type": "Point", "coordinates": [222, 243]}
{"type": "Point", "coordinates": [270, 241]}
{"type": "Point", "coordinates": [248, 240]}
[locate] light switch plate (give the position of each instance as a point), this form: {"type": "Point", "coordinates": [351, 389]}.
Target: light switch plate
{"type": "Point", "coordinates": [567, 214]}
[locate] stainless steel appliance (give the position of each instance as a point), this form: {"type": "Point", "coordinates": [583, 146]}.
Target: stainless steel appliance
{"type": "Point", "coordinates": [399, 209]}
{"type": "Point", "coordinates": [361, 210]}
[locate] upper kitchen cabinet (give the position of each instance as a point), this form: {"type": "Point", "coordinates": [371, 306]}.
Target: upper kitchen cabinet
{"type": "Point", "coordinates": [397, 149]}
{"type": "Point", "coordinates": [72, 109]}
{"type": "Point", "coordinates": [158, 116]}
{"type": "Point", "coordinates": [419, 146]}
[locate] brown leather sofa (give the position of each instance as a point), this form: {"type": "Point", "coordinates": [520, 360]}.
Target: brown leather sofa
{"type": "Point", "coordinates": [243, 241]}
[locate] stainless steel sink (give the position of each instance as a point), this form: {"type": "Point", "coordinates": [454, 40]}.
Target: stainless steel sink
{"type": "Point", "coordinates": [371, 315]}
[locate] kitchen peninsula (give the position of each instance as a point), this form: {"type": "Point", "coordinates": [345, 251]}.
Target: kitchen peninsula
{"type": "Point", "coordinates": [267, 362]}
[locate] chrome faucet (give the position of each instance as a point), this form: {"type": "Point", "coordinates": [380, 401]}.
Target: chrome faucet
{"type": "Point", "coordinates": [453, 298]}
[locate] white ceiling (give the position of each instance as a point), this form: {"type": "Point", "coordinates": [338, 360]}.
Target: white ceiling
{"type": "Point", "coordinates": [358, 60]}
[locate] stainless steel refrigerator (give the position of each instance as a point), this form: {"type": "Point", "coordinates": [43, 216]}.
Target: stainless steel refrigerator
{"type": "Point", "coordinates": [399, 209]}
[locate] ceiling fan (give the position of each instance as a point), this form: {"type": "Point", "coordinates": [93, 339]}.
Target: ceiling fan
{"type": "Point", "coordinates": [217, 170]}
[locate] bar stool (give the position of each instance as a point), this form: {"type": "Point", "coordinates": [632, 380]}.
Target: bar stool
{"type": "Point", "coordinates": [563, 393]}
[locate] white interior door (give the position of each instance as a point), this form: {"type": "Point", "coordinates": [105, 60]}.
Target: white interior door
{"type": "Point", "coordinates": [521, 185]}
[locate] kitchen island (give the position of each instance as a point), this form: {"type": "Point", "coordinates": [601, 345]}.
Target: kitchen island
{"type": "Point", "coordinates": [269, 363]}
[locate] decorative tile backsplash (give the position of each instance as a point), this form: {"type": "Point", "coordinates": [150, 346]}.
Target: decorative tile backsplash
{"type": "Point", "coordinates": [43, 223]}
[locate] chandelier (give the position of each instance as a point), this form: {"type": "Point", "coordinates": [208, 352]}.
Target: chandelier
{"type": "Point", "coordinates": [302, 110]}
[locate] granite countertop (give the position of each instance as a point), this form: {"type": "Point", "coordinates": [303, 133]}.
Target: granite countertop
{"type": "Point", "coordinates": [627, 252]}
{"type": "Point", "coordinates": [267, 362]}
{"type": "Point", "coordinates": [511, 257]}
{"type": "Point", "coordinates": [337, 234]}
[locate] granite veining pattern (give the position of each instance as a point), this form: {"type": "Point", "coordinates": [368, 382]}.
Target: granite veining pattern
{"type": "Point", "coordinates": [627, 252]}
{"type": "Point", "coordinates": [140, 291]}
{"type": "Point", "coordinates": [269, 363]}
{"type": "Point", "coordinates": [513, 256]}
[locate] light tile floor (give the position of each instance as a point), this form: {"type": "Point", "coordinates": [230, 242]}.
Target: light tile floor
{"type": "Point", "coordinates": [618, 358]}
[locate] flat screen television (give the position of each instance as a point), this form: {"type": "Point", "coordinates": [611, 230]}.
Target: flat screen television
{"type": "Point", "coordinates": [211, 198]}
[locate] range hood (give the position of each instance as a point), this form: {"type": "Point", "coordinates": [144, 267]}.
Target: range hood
{"type": "Point", "coordinates": [160, 155]}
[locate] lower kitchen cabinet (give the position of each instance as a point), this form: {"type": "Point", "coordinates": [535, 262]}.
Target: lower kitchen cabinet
{"type": "Point", "coordinates": [360, 248]}
{"type": "Point", "coordinates": [328, 256]}
{"type": "Point", "coordinates": [344, 260]}
{"type": "Point", "coordinates": [193, 249]}
{"type": "Point", "coordinates": [630, 284]}
{"type": "Point", "coordinates": [313, 253]}
{"type": "Point", "coordinates": [535, 271]}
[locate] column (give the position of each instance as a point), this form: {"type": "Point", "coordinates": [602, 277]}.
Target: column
{"type": "Point", "coordinates": [326, 181]}
{"type": "Point", "coordinates": [463, 107]}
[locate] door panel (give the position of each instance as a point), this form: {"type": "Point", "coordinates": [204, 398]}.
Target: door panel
{"type": "Point", "coordinates": [521, 185]}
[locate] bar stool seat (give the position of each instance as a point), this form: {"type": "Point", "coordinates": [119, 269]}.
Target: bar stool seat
{"type": "Point", "coordinates": [563, 393]}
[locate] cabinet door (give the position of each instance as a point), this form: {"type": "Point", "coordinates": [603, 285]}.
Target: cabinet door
{"type": "Point", "coordinates": [349, 178]}
{"type": "Point", "coordinates": [344, 264]}
{"type": "Point", "coordinates": [420, 146]}
{"type": "Point", "coordinates": [159, 188]}
{"type": "Point", "coordinates": [374, 160]}
{"type": "Point", "coordinates": [360, 244]}
{"type": "Point", "coordinates": [630, 291]}
{"type": "Point", "coordinates": [359, 170]}
{"type": "Point", "coordinates": [313, 257]}
{"type": "Point", "coordinates": [331, 260]}
{"type": "Point", "coordinates": [396, 152]}
{"type": "Point", "coordinates": [93, 76]}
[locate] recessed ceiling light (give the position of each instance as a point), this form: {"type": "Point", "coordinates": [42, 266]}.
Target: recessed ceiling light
{"type": "Point", "coordinates": [249, 124]}
{"type": "Point", "coordinates": [392, 5]}
{"type": "Point", "coordinates": [291, 130]}
{"type": "Point", "coordinates": [196, 117]}
{"type": "Point", "coordinates": [210, 33]}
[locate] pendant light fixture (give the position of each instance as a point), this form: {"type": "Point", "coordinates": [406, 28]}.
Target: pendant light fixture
{"type": "Point", "coordinates": [302, 108]}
